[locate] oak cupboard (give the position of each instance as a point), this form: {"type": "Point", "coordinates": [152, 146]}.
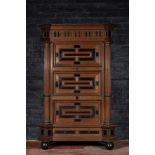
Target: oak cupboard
{"type": "Point", "coordinates": [77, 84]}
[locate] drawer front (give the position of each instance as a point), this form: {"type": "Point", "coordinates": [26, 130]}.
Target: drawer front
{"type": "Point", "coordinates": [74, 83]}
{"type": "Point", "coordinates": [83, 55]}
{"type": "Point", "coordinates": [76, 113]}
{"type": "Point", "coordinates": [78, 134]}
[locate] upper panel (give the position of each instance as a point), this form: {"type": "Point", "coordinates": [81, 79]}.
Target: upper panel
{"type": "Point", "coordinates": [83, 32]}
{"type": "Point", "coordinates": [77, 54]}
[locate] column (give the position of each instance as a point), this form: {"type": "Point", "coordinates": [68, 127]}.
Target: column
{"type": "Point", "coordinates": [46, 81]}
{"type": "Point", "coordinates": [107, 84]}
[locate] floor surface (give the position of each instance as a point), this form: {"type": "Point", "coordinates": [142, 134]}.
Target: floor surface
{"type": "Point", "coordinates": [121, 148]}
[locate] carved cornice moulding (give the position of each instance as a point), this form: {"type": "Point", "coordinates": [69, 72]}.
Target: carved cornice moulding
{"type": "Point", "coordinates": [76, 32]}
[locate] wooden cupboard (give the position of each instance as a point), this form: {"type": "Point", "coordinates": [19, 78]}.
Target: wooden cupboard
{"type": "Point", "coordinates": [77, 84]}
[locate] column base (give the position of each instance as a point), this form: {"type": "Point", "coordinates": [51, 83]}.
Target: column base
{"type": "Point", "coordinates": [46, 134]}
{"type": "Point", "coordinates": [108, 134]}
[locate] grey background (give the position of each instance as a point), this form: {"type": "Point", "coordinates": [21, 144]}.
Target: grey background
{"type": "Point", "coordinates": [78, 11]}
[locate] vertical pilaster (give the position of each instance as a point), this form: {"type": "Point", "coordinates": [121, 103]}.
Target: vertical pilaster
{"type": "Point", "coordinates": [103, 84]}
{"type": "Point", "coordinates": [107, 84]}
{"type": "Point", "coordinates": [51, 84]}
{"type": "Point", "coordinates": [46, 81]}
{"type": "Point", "coordinates": [46, 134]}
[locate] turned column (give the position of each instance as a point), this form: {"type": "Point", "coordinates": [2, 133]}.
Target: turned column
{"type": "Point", "coordinates": [46, 81]}
{"type": "Point", "coordinates": [107, 84]}
{"type": "Point", "coordinates": [51, 110]}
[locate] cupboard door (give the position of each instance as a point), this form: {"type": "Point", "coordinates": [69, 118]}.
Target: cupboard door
{"type": "Point", "coordinates": [77, 83]}
{"type": "Point", "coordinates": [70, 113]}
{"type": "Point", "coordinates": [83, 55]}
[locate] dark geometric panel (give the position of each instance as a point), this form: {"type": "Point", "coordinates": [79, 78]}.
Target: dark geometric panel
{"type": "Point", "coordinates": [76, 46]}
{"type": "Point", "coordinates": [71, 55]}
{"type": "Point", "coordinates": [89, 79]}
{"type": "Point", "coordinates": [76, 62]}
{"type": "Point", "coordinates": [77, 120]}
{"type": "Point", "coordinates": [93, 55]}
{"type": "Point", "coordinates": [77, 75]}
{"type": "Point", "coordinates": [61, 108]}
{"type": "Point", "coordinates": [89, 132]}
{"type": "Point", "coordinates": [61, 86]}
{"type": "Point", "coordinates": [92, 108]}
{"type": "Point", "coordinates": [73, 82]}
{"type": "Point", "coordinates": [64, 132]}
{"type": "Point", "coordinates": [65, 50]}
{"type": "Point", "coordinates": [72, 112]}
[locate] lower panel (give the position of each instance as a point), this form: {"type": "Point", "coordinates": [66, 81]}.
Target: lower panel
{"type": "Point", "coordinates": [77, 113]}
{"type": "Point", "coordinates": [77, 134]}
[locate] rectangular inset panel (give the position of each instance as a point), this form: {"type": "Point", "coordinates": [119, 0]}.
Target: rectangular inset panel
{"type": "Point", "coordinates": [83, 54]}
{"type": "Point", "coordinates": [73, 83]}
{"type": "Point", "coordinates": [78, 134]}
{"type": "Point", "coordinates": [77, 113]}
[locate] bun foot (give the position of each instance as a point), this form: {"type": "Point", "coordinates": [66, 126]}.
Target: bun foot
{"type": "Point", "coordinates": [44, 145]}
{"type": "Point", "coordinates": [109, 145]}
